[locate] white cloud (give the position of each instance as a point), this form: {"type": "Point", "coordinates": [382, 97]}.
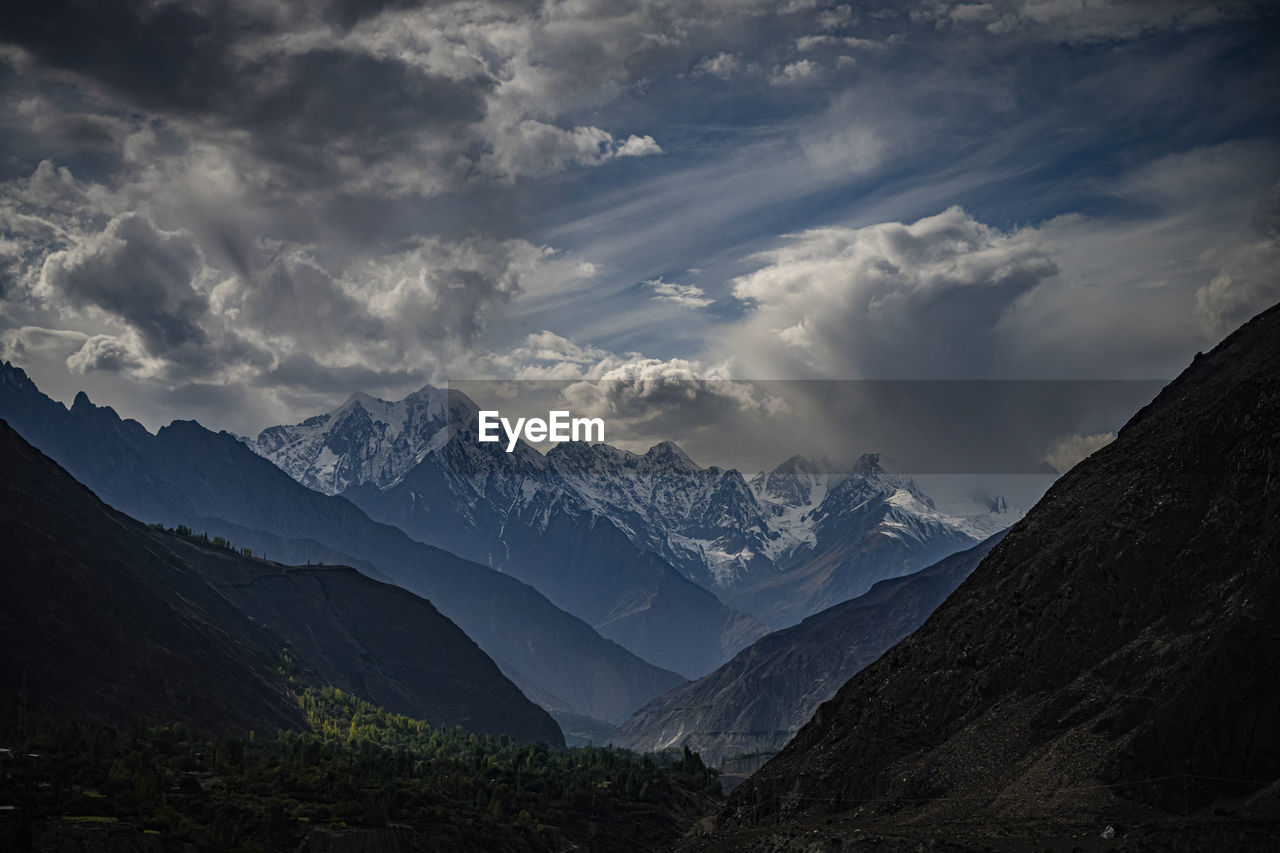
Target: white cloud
{"type": "Point", "coordinates": [795, 71]}
{"type": "Point", "coordinates": [1246, 283]}
{"type": "Point", "coordinates": [688, 295]}
{"type": "Point", "coordinates": [722, 65]}
{"type": "Point", "coordinates": [107, 353]}
{"type": "Point", "coordinates": [891, 300]}
{"type": "Point", "coordinates": [534, 149]}
{"type": "Point", "coordinates": [637, 146]}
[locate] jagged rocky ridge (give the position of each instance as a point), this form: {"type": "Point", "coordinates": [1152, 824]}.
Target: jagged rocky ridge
{"type": "Point", "coordinates": [781, 546]}
{"type": "Point", "coordinates": [1114, 656]}
{"type": "Point", "coordinates": [114, 619]}
{"type": "Point", "coordinates": [185, 474]}
{"type": "Point", "coordinates": [742, 714]}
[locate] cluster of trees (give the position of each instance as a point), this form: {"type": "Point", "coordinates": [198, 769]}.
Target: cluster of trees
{"type": "Point", "coordinates": [216, 541]}
{"type": "Point", "coordinates": [359, 769]}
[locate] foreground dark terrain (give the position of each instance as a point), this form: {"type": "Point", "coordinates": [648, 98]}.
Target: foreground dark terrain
{"type": "Point", "coordinates": [163, 692]}
{"type": "Point", "coordinates": [1112, 662]}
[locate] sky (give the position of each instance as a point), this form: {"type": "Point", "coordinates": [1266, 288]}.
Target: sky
{"type": "Point", "coordinates": [244, 212]}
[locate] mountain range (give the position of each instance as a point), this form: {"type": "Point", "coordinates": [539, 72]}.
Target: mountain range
{"type": "Point", "coordinates": [210, 482]}
{"type": "Point", "coordinates": [114, 619]}
{"type": "Point", "coordinates": [417, 464]}
{"type": "Point", "coordinates": [780, 546]}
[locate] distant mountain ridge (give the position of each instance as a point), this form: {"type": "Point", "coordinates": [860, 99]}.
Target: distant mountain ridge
{"type": "Point", "coordinates": [116, 620]}
{"type": "Point", "coordinates": [185, 474]}
{"type": "Point", "coordinates": [781, 546]}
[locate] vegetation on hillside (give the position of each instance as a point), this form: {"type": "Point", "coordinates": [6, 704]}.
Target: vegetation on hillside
{"type": "Point", "coordinates": [359, 770]}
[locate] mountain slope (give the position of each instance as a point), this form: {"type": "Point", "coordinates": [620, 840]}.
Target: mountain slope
{"type": "Point", "coordinates": [116, 619]}
{"type": "Point", "coordinates": [1115, 654]}
{"type": "Point", "coordinates": [745, 712]}
{"type": "Point", "coordinates": [188, 475]}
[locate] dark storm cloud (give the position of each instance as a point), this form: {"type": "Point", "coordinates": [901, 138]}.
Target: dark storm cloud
{"type": "Point", "coordinates": [141, 275]}
{"type": "Point", "coordinates": [166, 56]}
{"type": "Point", "coordinates": [294, 295]}
{"type": "Point", "coordinates": [354, 105]}
{"type": "Point", "coordinates": [301, 110]}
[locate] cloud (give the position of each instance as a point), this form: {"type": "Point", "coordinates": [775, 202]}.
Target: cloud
{"type": "Point", "coordinates": [366, 192]}
{"type": "Point", "coordinates": [722, 65]}
{"type": "Point", "coordinates": [546, 346]}
{"type": "Point", "coordinates": [139, 274]}
{"type": "Point", "coordinates": [106, 353]}
{"type": "Point", "coordinates": [26, 344]}
{"type": "Point", "coordinates": [688, 295]}
{"type": "Point", "coordinates": [1245, 284]}
{"type": "Point", "coordinates": [535, 149]}
{"type": "Point", "coordinates": [1075, 22]}
{"type": "Point", "coordinates": [1069, 450]}
{"type": "Point", "coordinates": [925, 299]}
{"type": "Point", "coordinates": [646, 400]}
{"type": "Point", "coordinates": [637, 146]}
{"type": "Point", "coordinates": [973, 13]}
{"type": "Point", "coordinates": [795, 71]}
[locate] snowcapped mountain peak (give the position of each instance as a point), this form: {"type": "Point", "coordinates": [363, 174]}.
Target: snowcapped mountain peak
{"type": "Point", "coordinates": [366, 401]}
{"type": "Point", "coordinates": [669, 455]}
{"type": "Point", "coordinates": [797, 482]}
{"type": "Point", "coordinates": [366, 439]}
{"type": "Point", "coordinates": [868, 465]}
{"type": "Point", "coordinates": [798, 465]}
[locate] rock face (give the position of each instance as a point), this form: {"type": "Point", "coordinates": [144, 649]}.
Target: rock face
{"type": "Point", "coordinates": [115, 619]}
{"type": "Point", "coordinates": [185, 474]}
{"type": "Point", "coordinates": [743, 713]}
{"type": "Point", "coordinates": [1117, 650]}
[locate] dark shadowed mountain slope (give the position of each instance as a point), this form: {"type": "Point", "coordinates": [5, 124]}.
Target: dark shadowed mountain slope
{"type": "Point", "coordinates": [745, 712]}
{"type": "Point", "coordinates": [107, 617]}
{"type": "Point", "coordinates": [185, 474]}
{"type": "Point", "coordinates": [1118, 650]}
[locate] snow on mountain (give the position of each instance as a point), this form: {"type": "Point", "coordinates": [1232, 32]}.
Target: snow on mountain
{"type": "Point", "coordinates": [365, 440]}
{"type": "Point", "coordinates": [778, 546]}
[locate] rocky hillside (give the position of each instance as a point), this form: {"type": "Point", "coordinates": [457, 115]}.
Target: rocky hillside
{"type": "Point", "coordinates": [115, 619]}
{"type": "Point", "coordinates": [1112, 659]}
{"type": "Point", "coordinates": [742, 714]}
